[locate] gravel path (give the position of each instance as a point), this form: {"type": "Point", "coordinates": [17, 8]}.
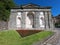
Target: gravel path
{"type": "Point", "coordinates": [58, 36]}
{"type": "Point", "coordinates": [58, 43]}
{"type": "Point", "coordinates": [54, 40]}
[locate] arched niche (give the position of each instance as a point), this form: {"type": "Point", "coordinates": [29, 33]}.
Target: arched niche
{"type": "Point", "coordinates": [30, 20]}
{"type": "Point", "coordinates": [41, 20]}
{"type": "Point", "coordinates": [18, 20]}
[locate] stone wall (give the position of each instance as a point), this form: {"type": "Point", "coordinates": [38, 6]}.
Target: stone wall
{"type": "Point", "coordinates": [3, 25]}
{"type": "Point", "coordinates": [12, 21]}
{"type": "Point", "coordinates": [14, 12]}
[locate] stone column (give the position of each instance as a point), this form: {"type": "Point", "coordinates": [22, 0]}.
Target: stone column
{"type": "Point", "coordinates": [23, 18]}
{"type": "Point", "coordinates": [51, 21]}
{"type": "Point", "coordinates": [46, 20]}
{"type": "Point", "coordinates": [12, 20]}
{"type": "Point", "coordinates": [36, 20]}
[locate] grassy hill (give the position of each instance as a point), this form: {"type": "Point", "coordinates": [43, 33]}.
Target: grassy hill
{"type": "Point", "coordinates": [11, 37]}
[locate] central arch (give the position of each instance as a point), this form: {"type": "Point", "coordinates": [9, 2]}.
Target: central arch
{"type": "Point", "coordinates": [30, 16]}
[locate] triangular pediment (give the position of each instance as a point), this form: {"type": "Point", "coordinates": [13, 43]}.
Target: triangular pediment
{"type": "Point", "coordinates": [30, 6]}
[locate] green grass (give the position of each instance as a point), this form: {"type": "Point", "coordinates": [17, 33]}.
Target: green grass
{"type": "Point", "coordinates": [11, 37]}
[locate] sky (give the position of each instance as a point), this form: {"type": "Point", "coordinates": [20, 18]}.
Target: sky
{"type": "Point", "coordinates": [55, 4]}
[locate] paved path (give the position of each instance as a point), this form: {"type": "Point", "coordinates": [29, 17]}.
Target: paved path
{"type": "Point", "coordinates": [59, 36]}
{"type": "Point", "coordinates": [57, 28]}
{"type": "Point", "coordinates": [58, 33]}
{"type": "Point", "coordinates": [58, 43]}
{"type": "Point", "coordinates": [55, 39]}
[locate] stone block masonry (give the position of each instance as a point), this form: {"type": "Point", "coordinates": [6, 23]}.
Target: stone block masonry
{"type": "Point", "coordinates": [3, 25]}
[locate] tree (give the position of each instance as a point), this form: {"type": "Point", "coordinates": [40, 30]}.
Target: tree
{"type": "Point", "coordinates": [5, 6]}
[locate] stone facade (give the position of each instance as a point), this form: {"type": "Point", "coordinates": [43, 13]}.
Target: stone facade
{"type": "Point", "coordinates": [3, 25]}
{"type": "Point", "coordinates": [37, 18]}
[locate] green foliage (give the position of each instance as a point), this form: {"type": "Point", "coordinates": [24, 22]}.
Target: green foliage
{"type": "Point", "coordinates": [5, 6]}
{"type": "Point", "coordinates": [57, 25]}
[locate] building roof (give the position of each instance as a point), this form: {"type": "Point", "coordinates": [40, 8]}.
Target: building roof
{"type": "Point", "coordinates": [31, 6]}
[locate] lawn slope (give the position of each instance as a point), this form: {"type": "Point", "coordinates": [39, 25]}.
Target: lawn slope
{"type": "Point", "coordinates": [11, 37]}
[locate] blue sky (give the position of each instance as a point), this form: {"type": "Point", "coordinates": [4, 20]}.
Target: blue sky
{"type": "Point", "coordinates": [55, 4]}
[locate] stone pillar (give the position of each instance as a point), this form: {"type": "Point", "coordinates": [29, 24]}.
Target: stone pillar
{"type": "Point", "coordinates": [12, 20]}
{"type": "Point", "coordinates": [51, 21]}
{"type": "Point", "coordinates": [36, 20]}
{"type": "Point", "coordinates": [23, 18]}
{"type": "Point", "coordinates": [46, 20]}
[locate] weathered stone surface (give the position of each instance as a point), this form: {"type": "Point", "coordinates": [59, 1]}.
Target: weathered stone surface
{"type": "Point", "coordinates": [3, 25]}
{"type": "Point", "coordinates": [40, 10]}
{"type": "Point", "coordinates": [37, 23]}
{"type": "Point", "coordinates": [36, 20]}
{"type": "Point", "coordinates": [51, 21]}
{"type": "Point", "coordinates": [46, 20]}
{"type": "Point", "coordinates": [12, 21]}
{"type": "Point", "coordinates": [23, 16]}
